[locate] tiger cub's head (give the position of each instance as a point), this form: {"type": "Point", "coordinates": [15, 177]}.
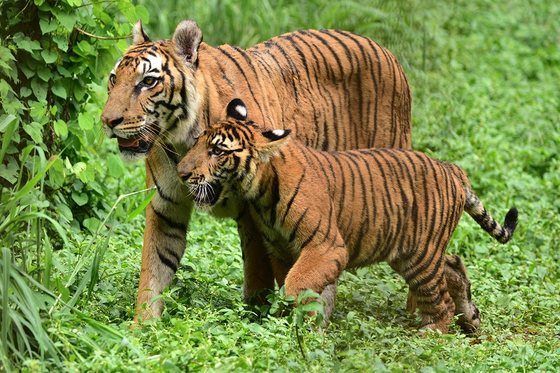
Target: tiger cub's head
{"type": "Point", "coordinates": [228, 157]}
{"type": "Point", "coordinates": [152, 96]}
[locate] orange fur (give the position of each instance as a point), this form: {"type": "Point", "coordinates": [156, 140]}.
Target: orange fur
{"type": "Point", "coordinates": [322, 212]}
{"type": "Point", "coordinates": [335, 89]}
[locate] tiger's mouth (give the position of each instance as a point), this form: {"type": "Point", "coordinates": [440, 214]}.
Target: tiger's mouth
{"type": "Point", "coordinates": [141, 144]}
{"type": "Point", "coordinates": [206, 195]}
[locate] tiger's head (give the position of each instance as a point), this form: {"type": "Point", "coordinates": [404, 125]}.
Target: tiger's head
{"type": "Point", "coordinates": [152, 92]}
{"type": "Point", "coordinates": [227, 158]}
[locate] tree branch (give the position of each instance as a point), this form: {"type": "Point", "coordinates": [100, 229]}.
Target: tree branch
{"type": "Point", "coordinates": [102, 37]}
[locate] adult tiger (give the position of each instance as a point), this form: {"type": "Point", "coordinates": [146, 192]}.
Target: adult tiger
{"type": "Point", "coordinates": [335, 89]}
{"type": "Point", "coordinates": [322, 212]}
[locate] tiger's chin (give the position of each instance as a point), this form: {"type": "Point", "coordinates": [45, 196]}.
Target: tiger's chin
{"type": "Point", "coordinates": [132, 156]}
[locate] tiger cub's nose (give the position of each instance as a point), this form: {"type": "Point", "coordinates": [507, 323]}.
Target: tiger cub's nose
{"type": "Point", "coordinates": [184, 176]}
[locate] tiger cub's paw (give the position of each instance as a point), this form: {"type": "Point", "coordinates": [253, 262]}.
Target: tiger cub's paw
{"type": "Point", "coordinates": [470, 321]}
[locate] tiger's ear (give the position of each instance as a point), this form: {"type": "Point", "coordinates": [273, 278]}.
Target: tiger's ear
{"type": "Point", "coordinates": [236, 109]}
{"type": "Point", "coordinates": [138, 34]}
{"type": "Point", "coordinates": [186, 39]}
{"type": "Point", "coordinates": [273, 141]}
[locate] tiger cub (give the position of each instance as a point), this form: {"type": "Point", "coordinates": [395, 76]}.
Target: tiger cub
{"type": "Point", "coordinates": [322, 212]}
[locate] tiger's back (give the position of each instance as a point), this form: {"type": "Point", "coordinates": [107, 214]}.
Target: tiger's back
{"type": "Point", "coordinates": [335, 89]}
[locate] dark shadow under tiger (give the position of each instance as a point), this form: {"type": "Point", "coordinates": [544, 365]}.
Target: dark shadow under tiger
{"type": "Point", "coordinates": [322, 212]}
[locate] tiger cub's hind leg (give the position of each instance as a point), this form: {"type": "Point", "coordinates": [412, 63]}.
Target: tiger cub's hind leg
{"type": "Point", "coordinates": [460, 289]}
{"type": "Point", "coordinates": [428, 292]}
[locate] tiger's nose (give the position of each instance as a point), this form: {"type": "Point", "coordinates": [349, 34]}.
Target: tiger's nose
{"type": "Point", "coordinates": [111, 122]}
{"type": "Point", "coordinates": [184, 176]}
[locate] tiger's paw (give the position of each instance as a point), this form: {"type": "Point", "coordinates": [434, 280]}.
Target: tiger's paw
{"type": "Point", "coordinates": [470, 321]}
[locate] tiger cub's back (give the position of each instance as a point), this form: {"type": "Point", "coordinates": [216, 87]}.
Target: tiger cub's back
{"type": "Point", "coordinates": [385, 202]}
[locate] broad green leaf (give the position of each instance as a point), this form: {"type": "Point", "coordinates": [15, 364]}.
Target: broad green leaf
{"type": "Point", "coordinates": [79, 92]}
{"type": "Point", "coordinates": [79, 167]}
{"type": "Point", "coordinates": [9, 171]}
{"type": "Point", "coordinates": [28, 45]}
{"type": "Point", "coordinates": [142, 13]}
{"type": "Point", "coordinates": [5, 88]}
{"type": "Point", "coordinates": [6, 122]}
{"type": "Point", "coordinates": [128, 10]}
{"type": "Point", "coordinates": [35, 131]}
{"type": "Point", "coordinates": [115, 167]}
{"type": "Point", "coordinates": [60, 128]}
{"type": "Point", "coordinates": [65, 211]}
{"type": "Point", "coordinates": [85, 121]}
{"type": "Point", "coordinates": [65, 73]}
{"type": "Point", "coordinates": [7, 126]}
{"type": "Point", "coordinates": [38, 111]}
{"type": "Point", "coordinates": [59, 90]}
{"type": "Point", "coordinates": [29, 73]}
{"type": "Point", "coordinates": [80, 198]}
{"type": "Point", "coordinates": [44, 73]}
{"type": "Point", "coordinates": [39, 89]}
{"type": "Point", "coordinates": [84, 46]}
{"type": "Point", "coordinates": [86, 175]}
{"type": "Point", "coordinates": [25, 92]}
{"type": "Point", "coordinates": [67, 20]}
{"type": "Point", "coordinates": [47, 26]}
{"type": "Point", "coordinates": [312, 306]}
{"type": "Point", "coordinates": [61, 42]}
{"type": "Point", "coordinates": [93, 224]}
{"type": "Point", "coordinates": [49, 55]}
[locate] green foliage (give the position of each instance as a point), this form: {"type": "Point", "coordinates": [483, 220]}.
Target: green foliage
{"type": "Point", "coordinates": [54, 56]}
{"type": "Point", "coordinates": [484, 76]}
{"type": "Point", "coordinates": [400, 25]}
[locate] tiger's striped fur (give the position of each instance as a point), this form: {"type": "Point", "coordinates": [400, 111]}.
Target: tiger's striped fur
{"type": "Point", "coordinates": [322, 212]}
{"type": "Point", "coordinates": [334, 89]}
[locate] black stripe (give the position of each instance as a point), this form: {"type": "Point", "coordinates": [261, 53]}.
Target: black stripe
{"type": "Point", "coordinates": [160, 191]}
{"type": "Point", "coordinates": [165, 260]}
{"type": "Point", "coordinates": [293, 197]}
{"type": "Point", "coordinates": [312, 235]}
{"type": "Point", "coordinates": [169, 222]}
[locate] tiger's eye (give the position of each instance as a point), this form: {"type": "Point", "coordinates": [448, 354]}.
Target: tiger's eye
{"type": "Point", "coordinates": [149, 80]}
{"type": "Point", "coordinates": [112, 79]}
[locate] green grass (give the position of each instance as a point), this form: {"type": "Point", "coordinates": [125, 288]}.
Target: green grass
{"type": "Point", "coordinates": [485, 80]}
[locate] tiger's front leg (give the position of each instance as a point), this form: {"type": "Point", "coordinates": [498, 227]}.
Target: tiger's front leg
{"type": "Point", "coordinates": [281, 271]}
{"type": "Point", "coordinates": [257, 270]}
{"type": "Point", "coordinates": [167, 219]}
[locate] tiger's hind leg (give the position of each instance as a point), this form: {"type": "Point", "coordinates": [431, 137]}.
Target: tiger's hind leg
{"type": "Point", "coordinates": [460, 289]}
{"type": "Point", "coordinates": [428, 292]}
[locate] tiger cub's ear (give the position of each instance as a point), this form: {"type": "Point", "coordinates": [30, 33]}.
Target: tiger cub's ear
{"type": "Point", "coordinates": [236, 109]}
{"type": "Point", "coordinates": [186, 39]}
{"type": "Point", "coordinates": [138, 34]}
{"type": "Point", "coordinates": [272, 142]}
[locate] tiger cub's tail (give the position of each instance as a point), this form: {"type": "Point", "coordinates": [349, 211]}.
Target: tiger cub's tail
{"type": "Point", "coordinates": [474, 208]}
